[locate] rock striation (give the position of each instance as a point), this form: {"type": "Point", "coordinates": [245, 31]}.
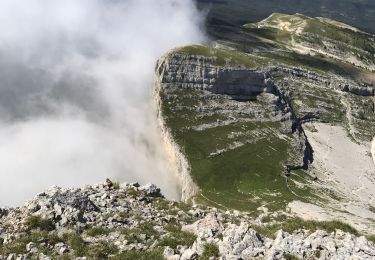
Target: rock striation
{"type": "Point", "coordinates": [200, 73]}
{"type": "Point", "coordinates": [194, 72]}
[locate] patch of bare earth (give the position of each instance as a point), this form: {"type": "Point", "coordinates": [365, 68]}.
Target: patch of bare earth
{"type": "Point", "coordinates": [346, 168]}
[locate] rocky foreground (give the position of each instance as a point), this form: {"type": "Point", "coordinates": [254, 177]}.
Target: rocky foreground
{"type": "Point", "coordinates": [126, 221]}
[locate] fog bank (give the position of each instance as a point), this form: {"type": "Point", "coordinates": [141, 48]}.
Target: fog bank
{"type": "Point", "coordinates": [75, 91]}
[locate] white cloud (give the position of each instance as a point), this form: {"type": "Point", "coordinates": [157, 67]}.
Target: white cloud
{"type": "Point", "coordinates": [75, 91]}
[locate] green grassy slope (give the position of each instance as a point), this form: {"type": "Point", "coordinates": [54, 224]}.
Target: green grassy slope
{"type": "Point", "coordinates": [240, 164]}
{"type": "Point", "coordinates": [244, 177]}
{"type": "Point", "coordinates": [323, 36]}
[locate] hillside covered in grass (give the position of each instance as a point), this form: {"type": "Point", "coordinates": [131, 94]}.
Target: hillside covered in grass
{"type": "Point", "coordinates": [254, 116]}
{"type": "Point", "coordinates": [318, 36]}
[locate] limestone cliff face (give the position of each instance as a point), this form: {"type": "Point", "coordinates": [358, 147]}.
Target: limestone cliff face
{"type": "Point", "coordinates": [199, 72]}
{"type": "Point", "coordinates": [192, 72]}
{"type": "Point", "coordinates": [178, 163]}
{"type": "Point", "coordinates": [187, 71]}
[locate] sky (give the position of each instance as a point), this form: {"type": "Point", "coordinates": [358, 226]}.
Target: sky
{"type": "Point", "coordinates": [76, 91]}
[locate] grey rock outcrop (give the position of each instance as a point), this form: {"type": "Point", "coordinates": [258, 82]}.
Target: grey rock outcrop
{"type": "Point", "coordinates": [128, 218]}
{"type": "Point", "coordinates": [243, 242]}
{"type": "Point", "coordinates": [361, 91]}
{"type": "Point", "coordinates": [199, 72]}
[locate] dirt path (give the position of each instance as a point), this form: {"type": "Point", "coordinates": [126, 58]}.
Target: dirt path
{"type": "Point", "coordinates": [352, 130]}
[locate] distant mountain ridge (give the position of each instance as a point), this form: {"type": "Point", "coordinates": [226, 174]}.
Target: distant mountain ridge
{"type": "Point", "coordinates": [358, 13]}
